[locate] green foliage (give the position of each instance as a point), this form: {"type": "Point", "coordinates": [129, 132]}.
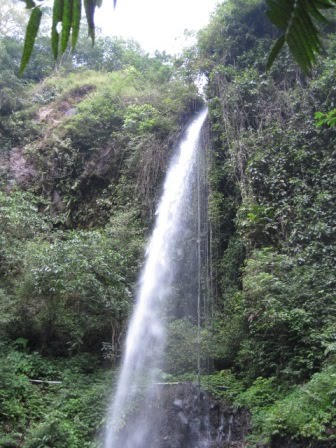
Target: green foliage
{"type": "Point", "coordinates": [296, 19]}
{"type": "Point", "coordinates": [228, 330]}
{"type": "Point", "coordinates": [234, 35]}
{"type": "Point", "coordinates": [110, 126]}
{"type": "Point", "coordinates": [53, 432]}
{"type": "Point", "coordinates": [66, 24]}
{"type": "Point", "coordinates": [305, 413]}
{"type": "Point", "coordinates": [32, 30]}
{"type": "Point", "coordinates": [141, 118]}
{"type": "Point", "coordinates": [19, 222]}
{"type": "Point", "coordinates": [12, 390]}
{"type": "Point", "coordinates": [11, 91]}
{"type": "Point", "coordinates": [41, 61]}
{"type": "Point", "coordinates": [96, 145]}
{"type": "Point", "coordinates": [285, 336]}
{"type": "Point", "coordinates": [230, 265]}
{"type": "Point", "coordinates": [19, 217]}
{"type": "Point", "coordinates": [183, 347]}
{"type": "Point", "coordinates": [223, 385]}
{"type": "Point", "coordinates": [68, 14]}
{"type": "Point", "coordinates": [99, 145]}
{"type": "Point", "coordinates": [328, 118]}
{"type": "Point", "coordinates": [56, 18]}
{"type": "Point", "coordinates": [262, 393]}
{"type": "Point", "coordinates": [256, 222]}
{"type": "Point", "coordinates": [41, 415]}
{"type": "Point", "coordinates": [73, 292]}
{"type": "Point", "coordinates": [75, 22]}
{"type": "Point", "coordinates": [275, 317]}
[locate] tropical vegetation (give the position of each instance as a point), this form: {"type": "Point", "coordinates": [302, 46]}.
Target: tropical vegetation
{"type": "Point", "coordinates": [83, 152]}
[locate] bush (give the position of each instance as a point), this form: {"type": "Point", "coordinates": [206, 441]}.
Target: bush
{"type": "Point", "coordinates": [309, 412]}
{"type": "Point", "coordinates": [54, 433]}
{"type": "Point", "coordinates": [69, 414]}
{"type": "Point", "coordinates": [20, 221]}
{"type": "Point", "coordinates": [287, 334]}
{"type": "Point", "coordinates": [72, 293]}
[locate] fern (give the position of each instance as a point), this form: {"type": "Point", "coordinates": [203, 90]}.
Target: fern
{"type": "Point", "coordinates": [297, 20]}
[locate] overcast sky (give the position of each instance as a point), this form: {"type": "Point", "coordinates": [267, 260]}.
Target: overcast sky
{"type": "Point", "coordinates": [155, 24]}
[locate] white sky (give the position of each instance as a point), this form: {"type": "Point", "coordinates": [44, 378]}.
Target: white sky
{"type": "Point", "coordinates": [155, 24]}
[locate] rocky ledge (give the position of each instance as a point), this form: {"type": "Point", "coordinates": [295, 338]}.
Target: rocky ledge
{"type": "Point", "coordinates": [185, 416]}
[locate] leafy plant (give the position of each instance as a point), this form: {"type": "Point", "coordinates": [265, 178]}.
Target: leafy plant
{"type": "Point", "coordinates": [69, 282]}
{"type": "Point", "coordinates": [68, 14]}
{"type": "Point", "coordinates": [296, 19]}
{"type": "Point", "coordinates": [307, 411]}
{"type": "Point", "coordinates": [53, 432]}
{"type": "Point", "coordinates": [328, 118]}
{"type": "Point", "coordinates": [32, 30]}
{"type": "Point", "coordinates": [223, 385]}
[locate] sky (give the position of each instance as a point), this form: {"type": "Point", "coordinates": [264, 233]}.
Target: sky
{"type": "Point", "coordinates": [155, 24]}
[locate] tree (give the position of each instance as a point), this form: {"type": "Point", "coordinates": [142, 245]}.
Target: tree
{"type": "Point", "coordinates": [12, 19]}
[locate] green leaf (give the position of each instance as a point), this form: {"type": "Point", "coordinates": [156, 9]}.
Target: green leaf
{"type": "Point", "coordinates": [328, 118]}
{"type": "Point", "coordinates": [275, 51]}
{"type": "Point", "coordinates": [76, 18]}
{"type": "Point", "coordinates": [296, 19]}
{"type": "Point", "coordinates": [325, 4]}
{"type": "Point", "coordinates": [56, 18]}
{"type": "Point", "coordinates": [313, 10]}
{"type": "Point", "coordinates": [29, 3]}
{"type": "Point", "coordinates": [66, 24]}
{"type": "Point", "coordinates": [89, 6]}
{"type": "Point", "coordinates": [31, 33]}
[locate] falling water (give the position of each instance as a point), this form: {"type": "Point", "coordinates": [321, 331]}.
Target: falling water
{"type": "Point", "coordinates": [146, 334]}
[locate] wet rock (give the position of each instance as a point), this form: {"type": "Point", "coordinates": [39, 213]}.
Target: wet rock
{"type": "Point", "coordinates": [178, 404]}
{"type": "Point", "coordinates": [187, 417]}
{"type": "Point", "coordinates": [183, 419]}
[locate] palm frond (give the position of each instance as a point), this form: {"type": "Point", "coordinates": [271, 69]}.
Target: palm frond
{"type": "Point", "coordinates": [56, 19]}
{"type": "Point", "coordinates": [90, 6]}
{"type": "Point", "coordinates": [31, 33]}
{"type": "Point", "coordinates": [29, 3]}
{"type": "Point", "coordinates": [76, 18]}
{"type": "Point", "coordinates": [66, 24]}
{"type": "Point", "coordinates": [297, 20]}
{"type": "Point", "coordinates": [68, 13]}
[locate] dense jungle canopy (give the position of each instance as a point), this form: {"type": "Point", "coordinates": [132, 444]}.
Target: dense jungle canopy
{"type": "Point", "coordinates": [83, 152]}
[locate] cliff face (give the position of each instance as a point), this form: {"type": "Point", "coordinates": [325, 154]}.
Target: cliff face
{"type": "Point", "coordinates": [89, 137]}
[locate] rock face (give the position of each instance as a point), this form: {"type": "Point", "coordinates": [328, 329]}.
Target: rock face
{"type": "Point", "coordinates": [191, 418]}
{"type": "Point", "coordinates": [188, 417]}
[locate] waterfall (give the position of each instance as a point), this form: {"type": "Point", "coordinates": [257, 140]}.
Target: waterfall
{"type": "Point", "coordinates": [146, 336]}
